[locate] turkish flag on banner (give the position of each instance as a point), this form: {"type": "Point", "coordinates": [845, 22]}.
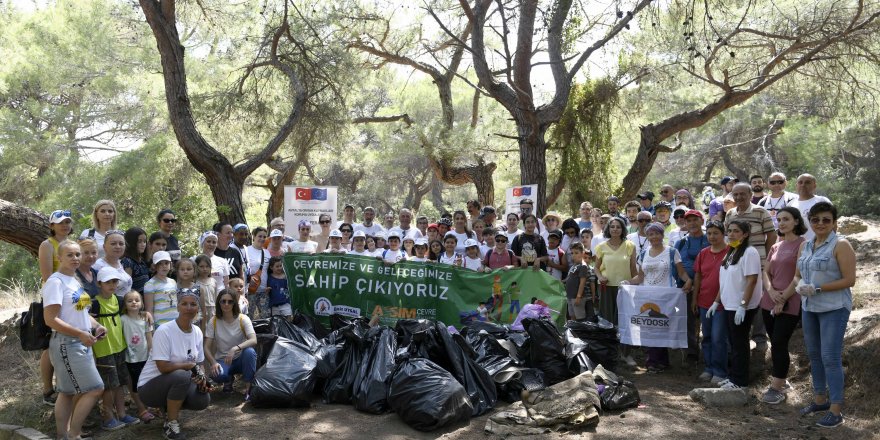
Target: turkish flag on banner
{"type": "Point", "coordinates": [303, 194]}
{"type": "Point", "coordinates": [517, 191]}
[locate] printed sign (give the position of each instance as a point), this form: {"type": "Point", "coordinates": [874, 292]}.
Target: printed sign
{"type": "Point", "coordinates": [652, 316]}
{"type": "Point", "coordinates": [308, 202]}
{"type": "Point", "coordinates": [352, 285]}
{"type": "Point", "coordinates": [517, 193]}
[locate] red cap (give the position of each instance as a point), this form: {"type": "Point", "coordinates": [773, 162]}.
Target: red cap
{"type": "Point", "coordinates": [432, 225]}
{"type": "Point", "coordinates": [693, 212]}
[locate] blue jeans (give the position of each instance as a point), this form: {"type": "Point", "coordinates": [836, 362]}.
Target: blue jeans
{"type": "Point", "coordinates": [245, 364]}
{"type": "Point", "coordinates": [714, 342]}
{"type": "Point", "coordinates": [823, 336]}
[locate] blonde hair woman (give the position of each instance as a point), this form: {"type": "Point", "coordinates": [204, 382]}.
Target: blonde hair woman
{"type": "Point", "coordinates": [103, 220]}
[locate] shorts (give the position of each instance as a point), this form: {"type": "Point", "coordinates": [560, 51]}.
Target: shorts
{"type": "Point", "coordinates": [74, 363]}
{"type": "Point", "coordinates": [113, 370]}
{"type": "Point", "coordinates": [579, 311]}
{"type": "Point", "coordinates": [134, 373]}
{"type": "Point", "coordinates": [282, 310]}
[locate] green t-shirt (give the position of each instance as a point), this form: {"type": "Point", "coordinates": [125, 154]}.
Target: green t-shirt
{"type": "Point", "coordinates": [115, 340]}
{"type": "Point", "coordinates": [514, 293]}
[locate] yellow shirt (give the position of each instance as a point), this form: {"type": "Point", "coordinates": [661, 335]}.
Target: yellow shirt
{"type": "Point", "coordinates": [616, 264]}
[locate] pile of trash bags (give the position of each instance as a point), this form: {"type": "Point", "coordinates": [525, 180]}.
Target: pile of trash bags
{"type": "Point", "coordinates": [430, 375]}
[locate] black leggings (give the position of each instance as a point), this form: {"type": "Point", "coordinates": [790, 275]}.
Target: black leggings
{"type": "Point", "coordinates": [780, 328]}
{"type": "Point", "coordinates": [740, 354]}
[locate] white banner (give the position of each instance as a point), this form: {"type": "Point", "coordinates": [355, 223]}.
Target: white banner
{"type": "Point", "coordinates": [517, 193]}
{"type": "Point", "coordinates": [308, 202]}
{"type": "Point", "coordinates": [652, 316]}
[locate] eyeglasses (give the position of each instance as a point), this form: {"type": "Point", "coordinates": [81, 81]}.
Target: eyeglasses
{"type": "Point", "coordinates": [822, 220]}
{"type": "Point", "coordinates": [305, 229]}
{"type": "Point", "coordinates": [227, 301]}
{"type": "Point", "coordinates": [169, 220]}
{"type": "Point", "coordinates": [777, 182]}
{"type": "Point", "coordinates": [664, 192]}
{"type": "Point", "coordinates": [678, 216]}
{"type": "Point", "coordinates": [324, 222]}
{"type": "Point", "coordinates": [644, 220]}
{"type": "Point", "coordinates": [503, 240]}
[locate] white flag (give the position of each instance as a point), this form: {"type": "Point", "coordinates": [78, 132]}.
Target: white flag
{"type": "Point", "coordinates": [652, 316]}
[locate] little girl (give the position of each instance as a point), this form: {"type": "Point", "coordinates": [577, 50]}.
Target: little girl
{"type": "Point", "coordinates": [160, 293]}
{"type": "Point", "coordinates": [139, 337]}
{"type": "Point", "coordinates": [449, 256]}
{"type": "Point", "coordinates": [420, 248]}
{"type": "Point", "coordinates": [237, 285]}
{"type": "Point", "coordinates": [207, 288]}
{"type": "Point", "coordinates": [472, 260]}
{"type": "Point", "coordinates": [408, 244]}
{"type": "Point", "coordinates": [276, 285]}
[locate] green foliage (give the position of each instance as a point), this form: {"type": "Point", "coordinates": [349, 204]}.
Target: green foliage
{"type": "Point", "coordinates": [583, 137]}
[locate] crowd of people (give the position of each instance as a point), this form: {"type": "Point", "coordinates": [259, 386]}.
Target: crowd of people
{"type": "Point", "coordinates": [128, 309]}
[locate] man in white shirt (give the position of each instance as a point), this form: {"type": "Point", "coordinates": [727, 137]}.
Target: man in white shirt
{"type": "Point", "coordinates": [303, 245]}
{"type": "Point", "coordinates": [368, 226]}
{"type": "Point", "coordinates": [405, 229]}
{"type": "Point", "coordinates": [639, 238]}
{"type": "Point", "coordinates": [778, 198]}
{"type": "Point", "coordinates": [806, 188]}
{"type": "Point", "coordinates": [347, 215]}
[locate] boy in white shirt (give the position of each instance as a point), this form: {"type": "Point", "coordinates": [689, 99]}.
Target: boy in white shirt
{"type": "Point", "coordinates": [420, 248]}
{"type": "Point", "coordinates": [335, 246]}
{"type": "Point", "coordinates": [358, 244]}
{"type": "Point", "coordinates": [394, 253]}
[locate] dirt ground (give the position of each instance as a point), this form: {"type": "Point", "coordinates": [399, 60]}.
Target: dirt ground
{"type": "Point", "coordinates": [666, 412]}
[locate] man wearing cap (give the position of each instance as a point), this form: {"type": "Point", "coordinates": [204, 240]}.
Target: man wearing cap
{"type": "Point", "coordinates": [640, 238]}
{"type": "Point", "coordinates": [359, 245]}
{"type": "Point", "coordinates": [689, 247]}
{"type": "Point", "coordinates": [778, 198]}
{"type": "Point", "coordinates": [717, 205]}
{"type": "Point", "coordinates": [662, 214]}
{"type": "Point", "coordinates": [405, 229]}
{"type": "Point", "coordinates": [806, 189]}
{"type": "Point", "coordinates": [646, 199]}
{"type": "Point", "coordinates": [278, 223]}
{"type": "Point", "coordinates": [584, 220]}
{"type": "Point", "coordinates": [368, 226]}
{"type": "Point", "coordinates": [347, 215]}
{"type": "Point", "coordinates": [681, 228]}
{"type": "Point", "coordinates": [488, 215]}
{"type": "Point", "coordinates": [226, 251]}
{"type": "Point", "coordinates": [303, 245]}
{"type": "Point", "coordinates": [614, 209]}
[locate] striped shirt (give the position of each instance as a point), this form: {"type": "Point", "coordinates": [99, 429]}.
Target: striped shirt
{"type": "Point", "coordinates": [761, 224]}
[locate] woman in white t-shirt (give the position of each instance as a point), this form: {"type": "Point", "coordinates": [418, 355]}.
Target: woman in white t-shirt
{"type": "Point", "coordinates": [229, 344]}
{"type": "Point", "coordinates": [512, 226]}
{"type": "Point", "coordinates": [258, 259]}
{"type": "Point", "coordinates": [740, 294]}
{"type": "Point", "coordinates": [172, 378]}
{"type": "Point", "coordinates": [460, 230]}
{"type": "Point", "coordinates": [66, 311]}
{"type": "Point", "coordinates": [657, 266]}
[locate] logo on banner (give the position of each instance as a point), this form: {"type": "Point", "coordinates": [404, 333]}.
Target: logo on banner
{"type": "Point", "coordinates": [522, 191]}
{"type": "Point", "coordinates": [311, 194]}
{"type": "Point", "coordinates": [650, 316]}
{"type": "Point", "coordinates": [323, 307]}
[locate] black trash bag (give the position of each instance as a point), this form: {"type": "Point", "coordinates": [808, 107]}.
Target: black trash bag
{"type": "Point", "coordinates": [426, 396]}
{"type": "Point", "coordinates": [531, 379]}
{"type": "Point", "coordinates": [338, 321]}
{"type": "Point", "coordinates": [599, 342]}
{"type": "Point", "coordinates": [620, 395]}
{"type": "Point", "coordinates": [340, 384]}
{"type": "Point", "coordinates": [265, 342]}
{"type": "Point", "coordinates": [309, 324]}
{"type": "Point", "coordinates": [263, 326]}
{"type": "Point", "coordinates": [371, 385]}
{"type": "Point", "coordinates": [522, 343]}
{"type": "Point", "coordinates": [547, 351]}
{"type": "Point", "coordinates": [498, 331]}
{"type": "Point", "coordinates": [287, 379]}
{"type": "Point", "coordinates": [491, 356]}
{"type": "Point", "coordinates": [406, 328]}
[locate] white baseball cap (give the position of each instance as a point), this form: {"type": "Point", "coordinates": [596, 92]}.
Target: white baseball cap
{"type": "Point", "coordinates": [108, 273]}
{"type": "Point", "coordinates": [161, 256]}
{"type": "Point", "coordinates": [470, 242]}
{"type": "Point", "coordinates": [276, 233]}
{"type": "Point", "coordinates": [421, 241]}
{"type": "Point", "coordinates": [336, 233]}
{"type": "Point", "coordinates": [359, 234]}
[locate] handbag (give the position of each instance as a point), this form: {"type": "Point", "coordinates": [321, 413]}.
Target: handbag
{"type": "Point", "coordinates": [33, 331]}
{"type": "Point", "coordinates": [257, 278]}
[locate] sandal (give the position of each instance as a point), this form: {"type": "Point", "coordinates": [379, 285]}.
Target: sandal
{"type": "Point", "coordinates": [146, 416]}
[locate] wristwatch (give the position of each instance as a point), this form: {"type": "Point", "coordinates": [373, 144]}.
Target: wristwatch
{"type": "Point", "coordinates": [818, 290]}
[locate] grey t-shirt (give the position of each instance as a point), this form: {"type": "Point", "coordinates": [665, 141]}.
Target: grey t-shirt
{"type": "Point", "coordinates": [575, 273]}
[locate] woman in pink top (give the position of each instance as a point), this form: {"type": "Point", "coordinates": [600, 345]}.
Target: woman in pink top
{"type": "Point", "coordinates": [781, 313]}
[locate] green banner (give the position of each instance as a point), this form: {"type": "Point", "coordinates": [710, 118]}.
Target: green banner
{"type": "Point", "coordinates": [351, 285]}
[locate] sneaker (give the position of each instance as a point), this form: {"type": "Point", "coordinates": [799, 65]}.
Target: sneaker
{"type": "Point", "coordinates": [731, 386]}
{"type": "Point", "coordinates": [717, 380]}
{"type": "Point", "coordinates": [655, 369]}
{"type": "Point", "coordinates": [830, 420]}
{"type": "Point", "coordinates": [814, 407]}
{"type": "Point", "coordinates": [227, 387]}
{"type": "Point", "coordinates": [112, 425]}
{"type": "Point", "coordinates": [129, 420]}
{"type": "Point", "coordinates": [49, 398]}
{"type": "Point", "coordinates": [773, 396]}
{"type": "Point", "coordinates": [630, 361]}
{"type": "Point", "coordinates": [172, 430]}
{"type": "Point", "coordinates": [705, 376]}
{"type": "Point", "coordinates": [787, 387]}
{"type": "Point", "coordinates": [723, 382]}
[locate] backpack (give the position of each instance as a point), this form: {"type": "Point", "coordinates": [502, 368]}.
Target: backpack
{"type": "Point", "coordinates": [96, 310]}
{"type": "Point", "coordinates": [240, 325]}
{"type": "Point", "coordinates": [32, 329]}
{"type": "Point", "coordinates": [92, 233]}
{"type": "Point", "coordinates": [257, 278]}
{"type": "Point", "coordinates": [509, 256]}
{"type": "Point", "coordinates": [673, 272]}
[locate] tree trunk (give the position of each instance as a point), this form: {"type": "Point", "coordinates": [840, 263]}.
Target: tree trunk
{"type": "Point", "coordinates": [644, 161]}
{"type": "Point", "coordinates": [533, 163]}
{"type": "Point", "coordinates": [22, 226]}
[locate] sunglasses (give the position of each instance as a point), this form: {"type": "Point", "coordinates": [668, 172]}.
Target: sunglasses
{"type": "Point", "coordinates": [169, 220]}
{"type": "Point", "coordinates": [324, 222]}
{"type": "Point", "coordinates": [227, 301]}
{"type": "Point", "coordinates": [503, 240]}
{"type": "Point", "coordinates": [114, 231]}
{"type": "Point", "coordinates": [60, 213]}
{"type": "Point", "coordinates": [305, 229]}
{"type": "Point", "coordinates": [777, 182]}
{"type": "Point", "coordinates": [349, 231]}
{"type": "Point", "coordinates": [643, 220]}
{"type": "Point", "coordinates": [822, 220]}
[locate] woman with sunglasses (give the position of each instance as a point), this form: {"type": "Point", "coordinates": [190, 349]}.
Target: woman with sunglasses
{"type": "Point", "coordinates": [347, 230]}
{"type": "Point", "coordinates": [229, 342]}
{"type": "Point", "coordinates": [323, 235]}
{"type": "Point", "coordinates": [103, 220]}
{"type": "Point", "coordinates": [172, 378]}
{"type": "Point", "coordinates": [167, 220]}
{"type": "Point", "coordinates": [825, 274]}
{"type": "Point", "coordinates": [60, 227]}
